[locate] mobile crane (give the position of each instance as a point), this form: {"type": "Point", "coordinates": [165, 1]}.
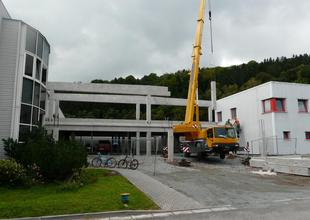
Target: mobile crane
{"type": "Point", "coordinates": [217, 139]}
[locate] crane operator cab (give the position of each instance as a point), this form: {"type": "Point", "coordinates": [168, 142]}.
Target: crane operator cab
{"type": "Point", "coordinates": [221, 140]}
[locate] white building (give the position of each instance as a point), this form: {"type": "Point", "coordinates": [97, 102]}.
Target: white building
{"type": "Point", "coordinates": [24, 55]}
{"type": "Point", "coordinates": [274, 115]}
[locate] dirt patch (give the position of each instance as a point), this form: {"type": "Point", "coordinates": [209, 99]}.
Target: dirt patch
{"type": "Point", "coordinates": [112, 173]}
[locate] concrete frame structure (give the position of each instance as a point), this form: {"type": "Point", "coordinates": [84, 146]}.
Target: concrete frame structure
{"type": "Point", "coordinates": [114, 93]}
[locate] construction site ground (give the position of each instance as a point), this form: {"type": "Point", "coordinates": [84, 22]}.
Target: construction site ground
{"type": "Point", "coordinates": [214, 183]}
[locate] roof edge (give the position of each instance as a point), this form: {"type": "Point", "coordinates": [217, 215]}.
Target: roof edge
{"type": "Point", "coordinates": [3, 6]}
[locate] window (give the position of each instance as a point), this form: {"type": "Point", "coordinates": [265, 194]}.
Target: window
{"type": "Point", "coordinates": [38, 69]}
{"type": "Point", "coordinates": [219, 117]}
{"type": "Point", "coordinates": [31, 40]}
{"type": "Point", "coordinates": [44, 70]}
{"type": "Point", "coordinates": [42, 98]}
{"type": "Point", "coordinates": [233, 112]}
{"type": "Point", "coordinates": [274, 105]}
{"type": "Point", "coordinates": [267, 105]}
{"type": "Point", "coordinates": [302, 105]}
{"type": "Point", "coordinates": [35, 116]}
{"type": "Point", "coordinates": [29, 65]}
{"type": "Point", "coordinates": [286, 135]}
{"type": "Point", "coordinates": [46, 52]}
{"type": "Point", "coordinates": [36, 97]}
{"type": "Point", "coordinates": [25, 114]}
{"type": "Point", "coordinates": [210, 133]}
{"type": "Point", "coordinates": [40, 46]}
{"type": "Point", "coordinates": [27, 91]}
{"type": "Point", "coordinates": [23, 132]}
{"type": "Point", "coordinates": [307, 135]}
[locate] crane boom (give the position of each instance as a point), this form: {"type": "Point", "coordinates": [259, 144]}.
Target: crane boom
{"type": "Point", "coordinates": [193, 83]}
{"type": "Point", "coordinates": [192, 109]}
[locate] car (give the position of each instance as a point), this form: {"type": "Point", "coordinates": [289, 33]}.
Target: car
{"type": "Point", "coordinates": [104, 146]}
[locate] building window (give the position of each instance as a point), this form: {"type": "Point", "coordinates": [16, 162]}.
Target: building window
{"type": "Point", "coordinates": [40, 46]}
{"type": "Point", "coordinates": [44, 72]}
{"type": "Point", "coordinates": [233, 112]}
{"type": "Point", "coordinates": [307, 135]}
{"type": "Point", "coordinates": [31, 40]}
{"type": "Point", "coordinates": [36, 97]}
{"type": "Point", "coordinates": [27, 91]}
{"type": "Point", "coordinates": [29, 65]}
{"type": "Point", "coordinates": [219, 117]}
{"type": "Point", "coordinates": [25, 114]}
{"type": "Point", "coordinates": [286, 135]}
{"type": "Point", "coordinates": [38, 69]}
{"type": "Point", "coordinates": [274, 105]}
{"type": "Point", "coordinates": [23, 132]}
{"type": "Point", "coordinates": [42, 98]}
{"type": "Point", "coordinates": [35, 116]}
{"type": "Point", "coordinates": [46, 52]}
{"type": "Point", "coordinates": [302, 105]}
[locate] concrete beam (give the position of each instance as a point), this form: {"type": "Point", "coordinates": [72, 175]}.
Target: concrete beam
{"type": "Point", "coordinates": [125, 99]}
{"type": "Point", "coordinates": [101, 88]}
{"type": "Point", "coordinates": [170, 145]}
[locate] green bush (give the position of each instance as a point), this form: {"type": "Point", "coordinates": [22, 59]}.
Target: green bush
{"type": "Point", "coordinates": [79, 179]}
{"type": "Point", "coordinates": [12, 173]}
{"type": "Point", "coordinates": [56, 160]}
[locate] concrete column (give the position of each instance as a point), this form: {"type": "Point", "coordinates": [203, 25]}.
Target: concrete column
{"type": "Point", "coordinates": [170, 143]}
{"type": "Point", "coordinates": [138, 143]}
{"type": "Point", "coordinates": [213, 95]}
{"type": "Point", "coordinates": [138, 111]}
{"type": "Point", "coordinates": [148, 109]}
{"type": "Point", "coordinates": [148, 144]}
{"type": "Point", "coordinates": [210, 114]}
{"type": "Point", "coordinates": [56, 134]}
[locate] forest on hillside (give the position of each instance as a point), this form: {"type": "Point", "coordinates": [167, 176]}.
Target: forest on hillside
{"type": "Point", "coordinates": [229, 80]}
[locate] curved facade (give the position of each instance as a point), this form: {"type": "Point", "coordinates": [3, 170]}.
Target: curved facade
{"type": "Point", "coordinates": [24, 60]}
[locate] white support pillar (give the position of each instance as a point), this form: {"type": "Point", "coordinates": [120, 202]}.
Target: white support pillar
{"type": "Point", "coordinates": [210, 115]}
{"type": "Point", "coordinates": [138, 143]}
{"type": "Point", "coordinates": [148, 143]}
{"type": "Point", "coordinates": [138, 111]}
{"type": "Point", "coordinates": [170, 143]}
{"type": "Point", "coordinates": [56, 121]}
{"type": "Point", "coordinates": [213, 95]}
{"type": "Point", "coordinates": [148, 109]}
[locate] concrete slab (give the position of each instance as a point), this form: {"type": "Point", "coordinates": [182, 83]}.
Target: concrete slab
{"type": "Point", "coordinates": [289, 165]}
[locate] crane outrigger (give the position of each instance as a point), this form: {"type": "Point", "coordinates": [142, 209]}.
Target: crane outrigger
{"type": "Point", "coordinates": [216, 139]}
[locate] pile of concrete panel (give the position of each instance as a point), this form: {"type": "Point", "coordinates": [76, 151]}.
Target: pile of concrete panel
{"type": "Point", "coordinates": [289, 165]}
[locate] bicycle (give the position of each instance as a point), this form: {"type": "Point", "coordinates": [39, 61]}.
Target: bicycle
{"type": "Point", "coordinates": [109, 162]}
{"type": "Point", "coordinates": [133, 163]}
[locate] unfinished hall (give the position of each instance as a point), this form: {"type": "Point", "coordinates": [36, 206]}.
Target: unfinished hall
{"type": "Point", "coordinates": [115, 118]}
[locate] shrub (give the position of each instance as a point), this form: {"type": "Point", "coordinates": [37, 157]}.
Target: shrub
{"type": "Point", "coordinates": [12, 173]}
{"type": "Point", "coordinates": [56, 160]}
{"type": "Point", "coordinates": [11, 147]}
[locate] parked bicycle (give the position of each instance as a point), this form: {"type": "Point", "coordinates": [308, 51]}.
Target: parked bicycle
{"type": "Point", "coordinates": [104, 160]}
{"type": "Point", "coordinates": [128, 161]}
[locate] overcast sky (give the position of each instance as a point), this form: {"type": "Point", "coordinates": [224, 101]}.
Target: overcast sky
{"type": "Point", "coordinates": [104, 39]}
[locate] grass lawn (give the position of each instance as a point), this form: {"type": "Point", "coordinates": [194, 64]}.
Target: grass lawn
{"type": "Point", "coordinates": [103, 195]}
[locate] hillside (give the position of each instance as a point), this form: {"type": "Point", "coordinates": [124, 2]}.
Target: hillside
{"type": "Point", "coordinates": [229, 81]}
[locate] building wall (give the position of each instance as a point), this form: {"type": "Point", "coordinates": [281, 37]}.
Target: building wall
{"type": "Point", "coordinates": [254, 122]}
{"type": "Point", "coordinates": [8, 58]}
{"type": "Point", "coordinates": [292, 120]}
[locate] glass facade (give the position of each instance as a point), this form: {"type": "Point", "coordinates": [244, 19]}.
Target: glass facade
{"type": "Point", "coordinates": [34, 81]}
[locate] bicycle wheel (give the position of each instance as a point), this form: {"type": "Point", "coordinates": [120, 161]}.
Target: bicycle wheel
{"type": "Point", "coordinates": [134, 164]}
{"type": "Point", "coordinates": [111, 162]}
{"type": "Point", "coordinates": [96, 162]}
{"type": "Point", "coordinates": [122, 164]}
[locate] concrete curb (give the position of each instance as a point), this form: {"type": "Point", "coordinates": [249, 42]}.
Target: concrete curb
{"type": "Point", "coordinates": [128, 214]}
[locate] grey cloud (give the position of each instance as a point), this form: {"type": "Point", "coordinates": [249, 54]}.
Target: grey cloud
{"type": "Point", "coordinates": [111, 38]}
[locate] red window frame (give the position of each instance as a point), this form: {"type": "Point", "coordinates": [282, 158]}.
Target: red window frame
{"type": "Point", "coordinates": [307, 135]}
{"type": "Point", "coordinates": [219, 117]}
{"type": "Point", "coordinates": [273, 105]}
{"type": "Point", "coordinates": [305, 103]}
{"type": "Point", "coordinates": [286, 135]}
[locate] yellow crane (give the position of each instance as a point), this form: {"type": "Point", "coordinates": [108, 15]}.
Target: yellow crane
{"type": "Point", "coordinates": [217, 139]}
